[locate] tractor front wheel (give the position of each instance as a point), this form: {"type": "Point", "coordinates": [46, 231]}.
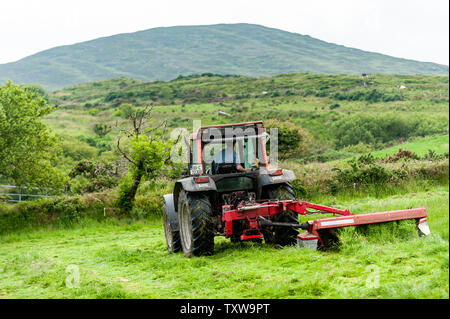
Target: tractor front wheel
{"type": "Point", "coordinates": [196, 226]}
{"type": "Point", "coordinates": [281, 235]}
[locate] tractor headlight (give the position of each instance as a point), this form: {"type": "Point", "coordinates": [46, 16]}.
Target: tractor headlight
{"type": "Point", "coordinates": [276, 172]}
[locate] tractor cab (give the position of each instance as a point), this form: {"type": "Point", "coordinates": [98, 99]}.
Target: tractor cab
{"type": "Point", "coordinates": [231, 158]}
{"type": "Point", "coordinates": [228, 149]}
{"type": "Point", "coordinates": [231, 155]}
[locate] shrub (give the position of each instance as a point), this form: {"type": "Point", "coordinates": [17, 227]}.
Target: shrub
{"type": "Point", "coordinates": [125, 192]}
{"type": "Point", "coordinates": [102, 129]}
{"type": "Point", "coordinates": [78, 150]}
{"type": "Point", "coordinates": [126, 110]}
{"type": "Point", "coordinates": [334, 106]}
{"type": "Point", "coordinates": [93, 111]}
{"type": "Point", "coordinates": [166, 93]}
{"type": "Point", "coordinates": [401, 155]}
{"type": "Point", "coordinates": [88, 176]}
{"type": "Point", "coordinates": [292, 140]}
{"type": "Point", "coordinates": [373, 96]}
{"type": "Point", "coordinates": [358, 174]}
{"type": "Point", "coordinates": [367, 171]}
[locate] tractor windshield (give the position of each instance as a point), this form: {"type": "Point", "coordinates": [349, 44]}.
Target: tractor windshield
{"type": "Point", "coordinates": [247, 151]}
{"type": "Point", "coordinates": [242, 144]}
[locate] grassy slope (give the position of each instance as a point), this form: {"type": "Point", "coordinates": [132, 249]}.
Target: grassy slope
{"type": "Point", "coordinates": [303, 99]}
{"type": "Point", "coordinates": [165, 53]}
{"type": "Point", "coordinates": [117, 260]}
{"type": "Point", "coordinates": [438, 144]}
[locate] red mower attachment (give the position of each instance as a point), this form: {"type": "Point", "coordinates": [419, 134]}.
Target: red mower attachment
{"type": "Point", "coordinates": [320, 232]}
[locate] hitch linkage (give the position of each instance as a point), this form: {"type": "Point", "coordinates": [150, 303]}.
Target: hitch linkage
{"type": "Point", "coordinates": [265, 222]}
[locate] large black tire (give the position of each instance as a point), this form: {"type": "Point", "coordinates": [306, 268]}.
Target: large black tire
{"type": "Point", "coordinates": [196, 225]}
{"type": "Point", "coordinates": [172, 236]}
{"type": "Point", "coordinates": [281, 235]}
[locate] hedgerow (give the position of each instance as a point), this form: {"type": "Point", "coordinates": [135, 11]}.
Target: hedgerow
{"type": "Point", "coordinates": [372, 129]}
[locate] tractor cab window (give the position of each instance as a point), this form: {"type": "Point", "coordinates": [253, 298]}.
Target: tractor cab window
{"type": "Point", "coordinates": [251, 153]}
{"type": "Point", "coordinates": [194, 153]}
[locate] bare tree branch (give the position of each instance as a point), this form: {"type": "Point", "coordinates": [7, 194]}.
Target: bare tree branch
{"type": "Point", "coordinates": [176, 142]}
{"type": "Point", "coordinates": [123, 153]}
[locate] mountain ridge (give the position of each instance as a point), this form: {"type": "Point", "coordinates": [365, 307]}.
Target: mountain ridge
{"type": "Point", "coordinates": [163, 53]}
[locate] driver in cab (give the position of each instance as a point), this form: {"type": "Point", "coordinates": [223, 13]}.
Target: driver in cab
{"type": "Point", "coordinates": [228, 155]}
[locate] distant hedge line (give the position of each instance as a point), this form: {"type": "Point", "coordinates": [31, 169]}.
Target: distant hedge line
{"type": "Point", "coordinates": [64, 211]}
{"type": "Point", "coordinates": [171, 94]}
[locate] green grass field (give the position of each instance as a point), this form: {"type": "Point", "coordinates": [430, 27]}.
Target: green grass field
{"type": "Point", "coordinates": [118, 260]}
{"type": "Point", "coordinates": [129, 259]}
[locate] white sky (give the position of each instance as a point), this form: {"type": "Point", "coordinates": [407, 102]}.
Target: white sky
{"type": "Point", "coordinates": [413, 29]}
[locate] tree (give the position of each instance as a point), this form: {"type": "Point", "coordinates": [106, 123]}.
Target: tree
{"type": "Point", "coordinates": [27, 145]}
{"type": "Point", "coordinates": [147, 153]}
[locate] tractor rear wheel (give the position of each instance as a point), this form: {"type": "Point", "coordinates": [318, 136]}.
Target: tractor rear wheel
{"type": "Point", "coordinates": [172, 236]}
{"type": "Point", "coordinates": [196, 226]}
{"type": "Point", "coordinates": [281, 235]}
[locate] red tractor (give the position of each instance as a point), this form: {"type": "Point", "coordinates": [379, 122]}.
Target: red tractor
{"type": "Point", "coordinates": [230, 190]}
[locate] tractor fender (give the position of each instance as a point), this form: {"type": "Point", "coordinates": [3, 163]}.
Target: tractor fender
{"type": "Point", "coordinates": [189, 185]}
{"type": "Point", "coordinates": [265, 179]}
{"type": "Point", "coordinates": [171, 212]}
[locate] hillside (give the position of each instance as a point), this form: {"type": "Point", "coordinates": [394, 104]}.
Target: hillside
{"type": "Point", "coordinates": [165, 53]}
{"type": "Point", "coordinates": [329, 108]}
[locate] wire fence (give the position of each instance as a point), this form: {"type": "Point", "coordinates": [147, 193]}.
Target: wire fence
{"type": "Point", "coordinates": [17, 194]}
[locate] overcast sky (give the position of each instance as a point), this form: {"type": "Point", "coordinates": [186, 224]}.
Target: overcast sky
{"type": "Point", "coordinates": [413, 29]}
